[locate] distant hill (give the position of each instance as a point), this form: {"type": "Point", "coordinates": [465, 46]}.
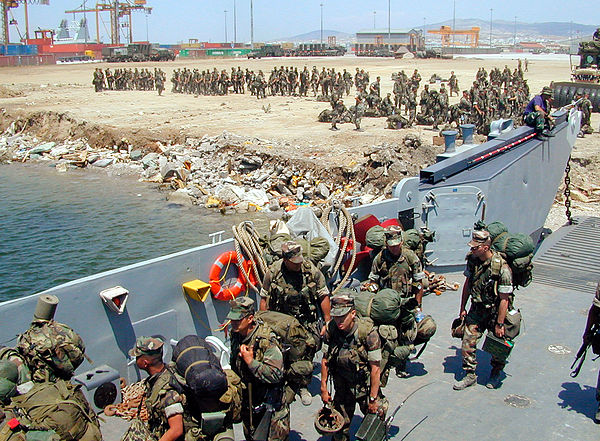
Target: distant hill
{"type": "Point", "coordinates": [525, 31]}
{"type": "Point", "coordinates": [501, 30]}
{"type": "Point", "coordinates": [315, 37]}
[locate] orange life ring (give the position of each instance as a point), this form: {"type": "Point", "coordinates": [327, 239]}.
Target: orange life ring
{"type": "Point", "coordinates": [223, 261]}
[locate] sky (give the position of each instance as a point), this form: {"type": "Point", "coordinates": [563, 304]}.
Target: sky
{"type": "Point", "coordinates": [176, 21]}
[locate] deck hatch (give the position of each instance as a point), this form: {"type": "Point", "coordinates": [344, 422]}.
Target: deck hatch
{"type": "Point", "coordinates": [573, 262]}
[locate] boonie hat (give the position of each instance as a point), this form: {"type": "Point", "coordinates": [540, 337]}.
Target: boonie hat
{"type": "Point", "coordinates": [393, 235]}
{"type": "Point", "coordinates": [146, 346]}
{"type": "Point", "coordinates": [479, 237]}
{"type": "Point", "coordinates": [292, 251]}
{"type": "Point", "coordinates": [341, 304]}
{"type": "Point", "coordinates": [240, 308]}
{"type": "Point", "coordinates": [547, 91]}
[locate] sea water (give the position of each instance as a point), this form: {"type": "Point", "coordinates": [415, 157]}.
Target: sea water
{"type": "Point", "coordinates": [57, 227]}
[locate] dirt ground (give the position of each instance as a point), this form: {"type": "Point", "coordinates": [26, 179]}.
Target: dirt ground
{"type": "Point", "coordinates": [142, 116]}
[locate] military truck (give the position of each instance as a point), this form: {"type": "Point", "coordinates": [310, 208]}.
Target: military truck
{"type": "Point", "coordinates": [585, 76]}
{"type": "Point", "coordinates": [137, 52]}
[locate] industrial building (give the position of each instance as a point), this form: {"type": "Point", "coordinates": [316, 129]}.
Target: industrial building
{"type": "Point", "coordinates": [373, 41]}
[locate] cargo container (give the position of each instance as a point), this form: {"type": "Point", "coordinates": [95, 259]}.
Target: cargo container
{"type": "Point", "coordinates": [18, 49]}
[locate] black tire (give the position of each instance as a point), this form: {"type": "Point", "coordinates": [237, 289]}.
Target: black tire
{"type": "Point", "coordinates": [565, 92]}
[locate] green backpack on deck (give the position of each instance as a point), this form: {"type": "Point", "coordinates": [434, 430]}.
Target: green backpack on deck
{"type": "Point", "coordinates": [383, 307]}
{"type": "Point", "coordinates": [51, 350]}
{"type": "Point", "coordinates": [59, 406]}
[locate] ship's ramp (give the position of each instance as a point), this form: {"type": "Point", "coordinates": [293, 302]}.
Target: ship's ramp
{"type": "Point", "coordinates": [538, 400]}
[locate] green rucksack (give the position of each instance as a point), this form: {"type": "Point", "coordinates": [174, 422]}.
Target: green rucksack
{"type": "Point", "coordinates": [59, 406]}
{"type": "Point", "coordinates": [298, 343]}
{"type": "Point", "coordinates": [51, 350]}
{"type": "Point", "coordinates": [383, 307]}
{"type": "Point", "coordinates": [517, 249]}
{"type": "Point", "coordinates": [316, 249]}
{"type": "Point", "coordinates": [375, 237]}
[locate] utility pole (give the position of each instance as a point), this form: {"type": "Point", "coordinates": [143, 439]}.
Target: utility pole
{"type": "Point", "coordinates": [424, 20]}
{"type": "Point", "coordinates": [453, 25]}
{"type": "Point", "coordinates": [491, 15]}
{"type": "Point", "coordinates": [321, 26]}
{"type": "Point", "coordinates": [374, 15]}
{"type": "Point", "coordinates": [225, 11]}
{"type": "Point", "coordinates": [84, 20]}
{"type": "Point", "coordinates": [234, 24]}
{"type": "Point", "coordinates": [251, 25]}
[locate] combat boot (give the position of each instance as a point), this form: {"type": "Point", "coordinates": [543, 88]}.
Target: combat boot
{"type": "Point", "coordinates": [494, 381]}
{"type": "Point", "coordinates": [305, 396]}
{"type": "Point", "coordinates": [469, 380]}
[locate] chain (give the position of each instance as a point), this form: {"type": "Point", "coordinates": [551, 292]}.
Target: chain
{"type": "Point", "coordinates": [567, 192]}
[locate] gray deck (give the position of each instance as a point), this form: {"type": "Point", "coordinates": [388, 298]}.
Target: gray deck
{"type": "Point", "coordinates": [557, 407]}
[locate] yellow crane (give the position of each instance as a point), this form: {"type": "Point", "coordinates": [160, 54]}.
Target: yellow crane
{"type": "Point", "coordinates": [446, 32]}
{"type": "Point", "coordinates": [117, 10]}
{"type": "Point", "coordinates": [6, 6]}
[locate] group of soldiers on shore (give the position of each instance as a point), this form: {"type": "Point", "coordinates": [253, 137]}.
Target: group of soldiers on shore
{"type": "Point", "coordinates": [129, 79]}
{"type": "Point", "coordinates": [501, 94]}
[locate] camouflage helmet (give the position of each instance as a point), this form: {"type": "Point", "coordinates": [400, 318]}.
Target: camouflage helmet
{"type": "Point", "coordinates": [328, 420]}
{"type": "Point", "coordinates": [425, 330]}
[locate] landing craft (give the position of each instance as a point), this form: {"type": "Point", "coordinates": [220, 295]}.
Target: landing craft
{"type": "Point", "coordinates": [513, 178]}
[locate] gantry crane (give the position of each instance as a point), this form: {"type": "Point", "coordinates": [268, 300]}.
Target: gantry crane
{"type": "Point", "coordinates": [117, 10]}
{"type": "Point", "coordinates": [446, 32]}
{"type": "Point", "coordinates": [6, 6]}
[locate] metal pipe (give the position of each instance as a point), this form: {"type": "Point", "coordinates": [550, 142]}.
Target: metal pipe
{"type": "Point", "coordinates": [251, 24]}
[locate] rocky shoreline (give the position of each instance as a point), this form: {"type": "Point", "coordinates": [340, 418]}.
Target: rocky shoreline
{"type": "Point", "coordinates": [232, 173]}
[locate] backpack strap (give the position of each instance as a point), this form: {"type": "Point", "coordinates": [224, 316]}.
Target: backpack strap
{"type": "Point", "coordinates": [496, 266]}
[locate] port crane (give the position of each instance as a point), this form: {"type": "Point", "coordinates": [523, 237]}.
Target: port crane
{"type": "Point", "coordinates": [447, 32]}
{"type": "Point", "coordinates": [5, 7]}
{"type": "Point", "coordinates": [117, 9]}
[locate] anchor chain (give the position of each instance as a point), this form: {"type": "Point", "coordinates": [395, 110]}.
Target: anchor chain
{"type": "Point", "coordinates": [567, 192]}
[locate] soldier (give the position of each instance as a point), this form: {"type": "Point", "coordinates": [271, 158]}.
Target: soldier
{"type": "Point", "coordinates": [375, 88]}
{"type": "Point", "coordinates": [594, 319]}
{"type": "Point", "coordinates": [294, 286]}
{"type": "Point", "coordinates": [336, 116]}
{"type": "Point", "coordinates": [537, 112]}
{"type": "Point", "coordinates": [453, 84]}
{"type": "Point", "coordinates": [400, 269]}
{"type": "Point", "coordinates": [415, 79]}
{"type": "Point", "coordinates": [352, 357]}
{"type": "Point", "coordinates": [585, 105]}
{"type": "Point", "coordinates": [491, 296]}
{"type": "Point", "coordinates": [164, 403]}
{"type": "Point", "coordinates": [359, 111]}
{"type": "Point", "coordinates": [257, 358]}
{"type": "Point", "coordinates": [387, 106]}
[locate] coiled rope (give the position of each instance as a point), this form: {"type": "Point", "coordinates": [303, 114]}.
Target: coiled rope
{"type": "Point", "coordinates": [247, 245]}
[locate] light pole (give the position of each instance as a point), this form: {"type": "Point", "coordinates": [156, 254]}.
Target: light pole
{"type": "Point", "coordinates": [321, 25]}
{"type": "Point", "coordinates": [234, 23]}
{"type": "Point", "coordinates": [491, 16]}
{"type": "Point", "coordinates": [374, 15]}
{"type": "Point", "coordinates": [424, 20]}
{"type": "Point", "coordinates": [453, 24]}
{"type": "Point", "coordinates": [390, 24]}
{"type": "Point", "coordinates": [225, 11]}
{"type": "Point", "coordinates": [515, 38]}
{"type": "Point", "coordinates": [251, 25]}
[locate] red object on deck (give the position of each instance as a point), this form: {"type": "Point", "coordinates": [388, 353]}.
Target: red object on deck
{"type": "Point", "coordinates": [390, 222]}
{"type": "Point", "coordinates": [362, 225]}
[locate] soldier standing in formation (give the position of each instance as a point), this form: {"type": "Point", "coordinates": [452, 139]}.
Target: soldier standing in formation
{"type": "Point", "coordinates": [294, 286]}
{"type": "Point", "coordinates": [257, 357]}
{"type": "Point", "coordinates": [489, 286]}
{"type": "Point", "coordinates": [351, 357]}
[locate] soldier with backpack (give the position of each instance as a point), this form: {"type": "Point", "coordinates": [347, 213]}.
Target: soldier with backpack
{"type": "Point", "coordinates": [296, 287]}
{"type": "Point", "coordinates": [163, 401]}
{"type": "Point", "coordinates": [591, 332]}
{"type": "Point", "coordinates": [257, 357]}
{"type": "Point", "coordinates": [489, 285]}
{"type": "Point", "coordinates": [351, 359]}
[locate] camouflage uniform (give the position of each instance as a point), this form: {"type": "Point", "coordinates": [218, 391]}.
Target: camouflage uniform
{"type": "Point", "coordinates": [299, 294]}
{"type": "Point", "coordinates": [348, 357]}
{"type": "Point", "coordinates": [263, 377]}
{"type": "Point", "coordinates": [483, 289]}
{"type": "Point", "coordinates": [400, 273]}
{"type": "Point", "coordinates": [596, 303]}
